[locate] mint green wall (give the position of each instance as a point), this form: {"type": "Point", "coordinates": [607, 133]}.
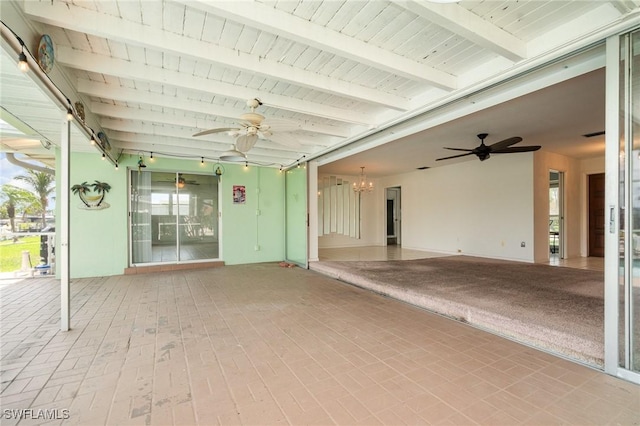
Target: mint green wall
{"type": "Point", "coordinates": [259, 222]}
{"type": "Point", "coordinates": [99, 238]}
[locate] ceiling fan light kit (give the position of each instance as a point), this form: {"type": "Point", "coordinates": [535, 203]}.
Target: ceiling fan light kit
{"type": "Point", "coordinates": [252, 126]}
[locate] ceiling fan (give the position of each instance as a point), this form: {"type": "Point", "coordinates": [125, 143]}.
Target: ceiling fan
{"type": "Point", "coordinates": [484, 151]}
{"type": "Point", "coordinates": [181, 181]}
{"type": "Point", "coordinates": [252, 126]}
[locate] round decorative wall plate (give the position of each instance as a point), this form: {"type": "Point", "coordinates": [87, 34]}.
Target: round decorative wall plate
{"type": "Point", "coordinates": [105, 141]}
{"type": "Point", "coordinates": [46, 56]}
{"type": "Point", "coordinates": [79, 109]}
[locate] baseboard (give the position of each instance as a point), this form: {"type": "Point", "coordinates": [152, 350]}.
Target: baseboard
{"type": "Point", "coordinates": [133, 270]}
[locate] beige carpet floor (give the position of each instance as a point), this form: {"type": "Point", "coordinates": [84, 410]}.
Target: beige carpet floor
{"type": "Point", "coordinates": [560, 310]}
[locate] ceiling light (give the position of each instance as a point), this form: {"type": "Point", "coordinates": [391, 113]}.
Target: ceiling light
{"type": "Point", "coordinates": [363, 186]}
{"type": "Point", "coordinates": [233, 155]}
{"type": "Point", "coordinates": [151, 157]}
{"type": "Point", "coordinates": [103, 156]}
{"type": "Point", "coordinates": [93, 140]}
{"type": "Point", "coordinates": [201, 161]}
{"type": "Point", "coordinates": [22, 61]}
{"type": "Point", "coordinates": [69, 114]}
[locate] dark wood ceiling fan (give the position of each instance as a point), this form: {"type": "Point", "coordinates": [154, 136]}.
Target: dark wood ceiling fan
{"type": "Point", "coordinates": [483, 151]}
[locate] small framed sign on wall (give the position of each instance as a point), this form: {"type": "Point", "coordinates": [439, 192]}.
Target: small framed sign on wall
{"type": "Point", "coordinates": [239, 194]}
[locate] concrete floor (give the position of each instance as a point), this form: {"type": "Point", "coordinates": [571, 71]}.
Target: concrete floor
{"type": "Point", "coordinates": [261, 344]}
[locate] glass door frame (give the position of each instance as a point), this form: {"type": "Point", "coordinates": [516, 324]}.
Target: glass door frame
{"type": "Point", "coordinates": [293, 225]}
{"type": "Point", "coordinates": [618, 194]}
{"type": "Point", "coordinates": [130, 171]}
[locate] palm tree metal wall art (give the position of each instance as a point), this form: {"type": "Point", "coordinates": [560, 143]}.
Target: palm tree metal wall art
{"type": "Point", "coordinates": [92, 202]}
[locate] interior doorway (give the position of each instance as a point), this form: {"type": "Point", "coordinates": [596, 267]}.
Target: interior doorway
{"type": "Point", "coordinates": [596, 215]}
{"type": "Point", "coordinates": [392, 222]}
{"type": "Point", "coordinates": [556, 214]}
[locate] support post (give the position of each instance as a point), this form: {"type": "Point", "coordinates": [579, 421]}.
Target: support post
{"type": "Point", "coordinates": [64, 263]}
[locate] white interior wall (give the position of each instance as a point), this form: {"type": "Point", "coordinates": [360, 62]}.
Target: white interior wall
{"type": "Point", "coordinates": [372, 208]}
{"type": "Point", "coordinates": [452, 209]}
{"type": "Point", "coordinates": [474, 208]}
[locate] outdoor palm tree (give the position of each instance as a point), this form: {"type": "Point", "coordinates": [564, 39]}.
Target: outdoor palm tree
{"type": "Point", "coordinates": [43, 184]}
{"type": "Point", "coordinates": [15, 198]}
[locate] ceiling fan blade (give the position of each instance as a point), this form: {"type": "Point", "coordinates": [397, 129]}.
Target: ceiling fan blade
{"type": "Point", "coordinates": [283, 139]}
{"type": "Point", "coordinates": [219, 130]}
{"type": "Point", "coordinates": [505, 143]}
{"type": "Point", "coordinates": [454, 156]}
{"type": "Point", "coordinates": [459, 149]}
{"type": "Point", "coordinates": [245, 142]}
{"type": "Point", "coordinates": [516, 149]}
{"type": "Point", "coordinates": [280, 125]}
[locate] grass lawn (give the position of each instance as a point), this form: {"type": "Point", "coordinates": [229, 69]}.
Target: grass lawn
{"type": "Point", "coordinates": [11, 253]}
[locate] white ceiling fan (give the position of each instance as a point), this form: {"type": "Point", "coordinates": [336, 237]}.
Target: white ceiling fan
{"type": "Point", "coordinates": [253, 126]}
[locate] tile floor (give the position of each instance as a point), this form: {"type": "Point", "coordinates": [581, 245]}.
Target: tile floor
{"type": "Point", "coordinates": [260, 344]}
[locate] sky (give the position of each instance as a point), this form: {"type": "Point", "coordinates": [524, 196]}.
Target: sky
{"type": "Point", "coordinates": [9, 171]}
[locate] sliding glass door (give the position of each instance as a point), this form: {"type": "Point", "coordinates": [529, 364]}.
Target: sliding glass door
{"type": "Point", "coordinates": [174, 217]}
{"type": "Point", "coordinates": [296, 224]}
{"type": "Point", "coordinates": [622, 243]}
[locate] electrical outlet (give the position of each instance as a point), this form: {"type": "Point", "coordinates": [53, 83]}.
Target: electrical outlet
{"type": "Point", "coordinates": [256, 247]}
{"type": "Point", "coordinates": [523, 244]}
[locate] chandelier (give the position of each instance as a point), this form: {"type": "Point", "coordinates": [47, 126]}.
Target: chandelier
{"type": "Point", "coordinates": [363, 185]}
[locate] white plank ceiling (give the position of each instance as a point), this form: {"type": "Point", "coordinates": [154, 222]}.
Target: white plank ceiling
{"type": "Point", "coordinates": [156, 72]}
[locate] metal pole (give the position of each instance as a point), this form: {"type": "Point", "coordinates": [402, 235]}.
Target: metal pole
{"type": "Point", "coordinates": [64, 263]}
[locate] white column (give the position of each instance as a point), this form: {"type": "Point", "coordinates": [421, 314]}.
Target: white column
{"type": "Point", "coordinates": [63, 233]}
